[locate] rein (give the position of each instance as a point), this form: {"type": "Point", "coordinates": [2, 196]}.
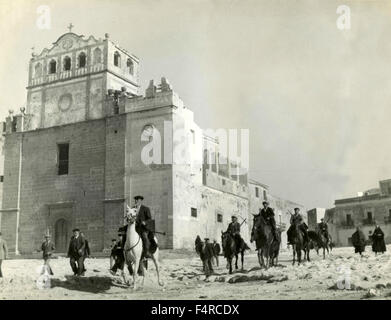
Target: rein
{"type": "Point", "coordinates": [135, 244]}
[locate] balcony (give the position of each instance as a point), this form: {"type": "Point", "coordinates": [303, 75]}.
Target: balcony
{"type": "Point", "coordinates": [368, 222]}
{"type": "Point", "coordinates": [387, 220]}
{"type": "Point", "coordinates": [347, 224]}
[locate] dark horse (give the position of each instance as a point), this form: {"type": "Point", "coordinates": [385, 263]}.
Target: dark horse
{"type": "Point", "coordinates": [299, 243]}
{"type": "Point", "coordinates": [206, 252]}
{"type": "Point", "coordinates": [320, 241]}
{"type": "Point", "coordinates": [266, 245]}
{"type": "Point", "coordinates": [231, 250]}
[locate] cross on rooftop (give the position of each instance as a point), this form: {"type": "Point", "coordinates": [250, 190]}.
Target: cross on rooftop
{"type": "Point", "coordinates": [70, 27]}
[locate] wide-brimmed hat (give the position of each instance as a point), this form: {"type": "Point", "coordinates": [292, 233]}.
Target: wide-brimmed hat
{"type": "Point", "coordinates": [76, 229]}
{"type": "Point", "coordinates": [265, 202]}
{"type": "Point", "coordinates": [234, 217]}
{"type": "Point", "coordinates": [138, 198]}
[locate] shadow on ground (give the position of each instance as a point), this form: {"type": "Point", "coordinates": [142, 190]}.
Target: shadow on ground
{"type": "Point", "coordinates": [86, 284]}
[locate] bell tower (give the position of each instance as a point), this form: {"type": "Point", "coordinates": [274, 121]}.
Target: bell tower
{"type": "Point", "coordinates": [68, 82]}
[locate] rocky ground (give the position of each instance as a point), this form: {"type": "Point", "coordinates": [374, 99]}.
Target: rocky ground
{"type": "Point", "coordinates": [370, 278]}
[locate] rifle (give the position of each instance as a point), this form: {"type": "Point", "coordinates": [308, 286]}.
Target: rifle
{"type": "Point", "coordinates": [244, 220]}
{"type": "Point", "coordinates": [159, 232]}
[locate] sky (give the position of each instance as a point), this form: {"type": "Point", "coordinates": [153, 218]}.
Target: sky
{"type": "Point", "coordinates": [315, 98]}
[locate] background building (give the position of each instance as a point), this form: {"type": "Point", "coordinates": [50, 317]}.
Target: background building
{"type": "Point", "coordinates": [84, 146]}
{"type": "Point", "coordinates": [369, 208]}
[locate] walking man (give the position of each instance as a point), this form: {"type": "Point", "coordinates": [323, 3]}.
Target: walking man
{"type": "Point", "coordinates": [76, 253]}
{"type": "Point", "coordinates": [47, 251]}
{"type": "Point", "coordinates": [3, 252]}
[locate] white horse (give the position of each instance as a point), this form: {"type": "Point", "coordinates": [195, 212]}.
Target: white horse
{"type": "Point", "coordinates": [133, 249]}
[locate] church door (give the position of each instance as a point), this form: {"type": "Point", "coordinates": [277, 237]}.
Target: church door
{"type": "Point", "coordinates": [61, 235]}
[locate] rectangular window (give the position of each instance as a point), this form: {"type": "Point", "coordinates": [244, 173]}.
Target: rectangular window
{"type": "Point", "coordinates": [223, 181]}
{"type": "Point", "coordinates": [264, 195]}
{"type": "Point", "coordinates": [1, 178]}
{"type": "Point", "coordinates": [194, 212]}
{"type": "Point", "coordinates": [63, 158]}
{"type": "Point", "coordinates": [389, 214]}
{"type": "Point", "coordinates": [219, 217]}
{"type": "Point", "coordinates": [349, 221]}
{"type": "Point", "coordinates": [257, 192]}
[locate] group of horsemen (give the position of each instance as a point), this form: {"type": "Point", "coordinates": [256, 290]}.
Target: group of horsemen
{"type": "Point", "coordinates": [267, 214]}
{"type": "Point", "coordinates": [144, 219]}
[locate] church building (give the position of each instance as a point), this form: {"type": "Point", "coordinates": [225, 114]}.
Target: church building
{"type": "Point", "coordinates": [88, 141]}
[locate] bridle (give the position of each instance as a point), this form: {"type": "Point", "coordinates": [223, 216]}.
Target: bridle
{"type": "Point", "coordinates": [131, 220]}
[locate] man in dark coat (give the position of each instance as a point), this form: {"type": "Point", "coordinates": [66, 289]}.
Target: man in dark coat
{"type": "Point", "coordinates": [378, 244]}
{"type": "Point", "coordinates": [234, 230]}
{"type": "Point", "coordinates": [118, 253]}
{"type": "Point", "coordinates": [76, 252]}
{"type": "Point", "coordinates": [358, 241]}
{"type": "Point", "coordinates": [142, 219]}
{"type": "Point", "coordinates": [297, 220]}
{"type": "Point", "coordinates": [268, 215]}
{"type": "Point", "coordinates": [323, 228]}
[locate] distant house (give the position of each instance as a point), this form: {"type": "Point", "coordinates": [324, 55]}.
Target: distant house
{"type": "Point", "coordinates": [367, 209]}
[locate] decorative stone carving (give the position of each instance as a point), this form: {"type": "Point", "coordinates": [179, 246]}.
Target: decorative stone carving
{"type": "Point", "coordinates": [165, 85]}
{"type": "Point", "coordinates": [150, 92]}
{"type": "Point", "coordinates": [65, 102]}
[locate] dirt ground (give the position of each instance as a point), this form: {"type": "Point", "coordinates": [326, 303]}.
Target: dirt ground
{"type": "Point", "coordinates": [181, 271]}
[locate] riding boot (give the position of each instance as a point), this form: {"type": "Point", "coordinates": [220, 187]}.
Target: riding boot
{"type": "Point", "coordinates": [146, 244]}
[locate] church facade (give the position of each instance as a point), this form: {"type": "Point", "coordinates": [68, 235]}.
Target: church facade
{"type": "Point", "coordinates": [88, 142]}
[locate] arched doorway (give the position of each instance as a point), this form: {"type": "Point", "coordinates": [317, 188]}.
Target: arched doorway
{"type": "Point", "coordinates": [61, 235]}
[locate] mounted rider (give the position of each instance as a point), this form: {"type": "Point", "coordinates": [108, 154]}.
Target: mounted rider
{"type": "Point", "coordinates": [143, 222]}
{"type": "Point", "coordinates": [267, 214]}
{"type": "Point", "coordinates": [323, 228]}
{"type": "Point", "coordinates": [234, 230]}
{"type": "Point", "coordinates": [297, 220]}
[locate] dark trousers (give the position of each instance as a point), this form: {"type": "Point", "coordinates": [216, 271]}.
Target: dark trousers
{"type": "Point", "coordinates": [146, 243]}
{"type": "Point", "coordinates": [77, 265]}
{"type": "Point", "coordinates": [119, 262]}
{"type": "Point", "coordinates": [1, 273]}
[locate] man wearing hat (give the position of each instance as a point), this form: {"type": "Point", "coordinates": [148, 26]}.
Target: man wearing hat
{"type": "Point", "coordinates": [76, 252]}
{"type": "Point", "coordinates": [297, 220]}
{"type": "Point", "coordinates": [323, 228]}
{"type": "Point", "coordinates": [267, 214]}
{"type": "Point", "coordinates": [234, 230]}
{"type": "Point", "coordinates": [143, 216]}
{"type": "Point", "coordinates": [47, 251]}
{"type": "Point", "coordinates": [118, 252]}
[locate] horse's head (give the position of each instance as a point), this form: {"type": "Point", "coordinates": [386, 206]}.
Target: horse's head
{"type": "Point", "coordinates": [131, 214]}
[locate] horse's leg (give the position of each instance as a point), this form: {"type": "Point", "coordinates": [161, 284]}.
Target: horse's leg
{"type": "Point", "coordinates": [236, 261]}
{"type": "Point", "coordinates": [155, 260]}
{"type": "Point", "coordinates": [298, 252]}
{"type": "Point", "coordinates": [259, 257]}
{"type": "Point", "coordinates": [135, 270]}
{"type": "Point", "coordinates": [294, 254]}
{"type": "Point", "coordinates": [242, 254]}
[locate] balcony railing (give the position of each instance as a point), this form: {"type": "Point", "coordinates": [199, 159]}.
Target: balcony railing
{"type": "Point", "coordinates": [387, 220]}
{"type": "Point", "coordinates": [347, 224]}
{"type": "Point", "coordinates": [368, 222]}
